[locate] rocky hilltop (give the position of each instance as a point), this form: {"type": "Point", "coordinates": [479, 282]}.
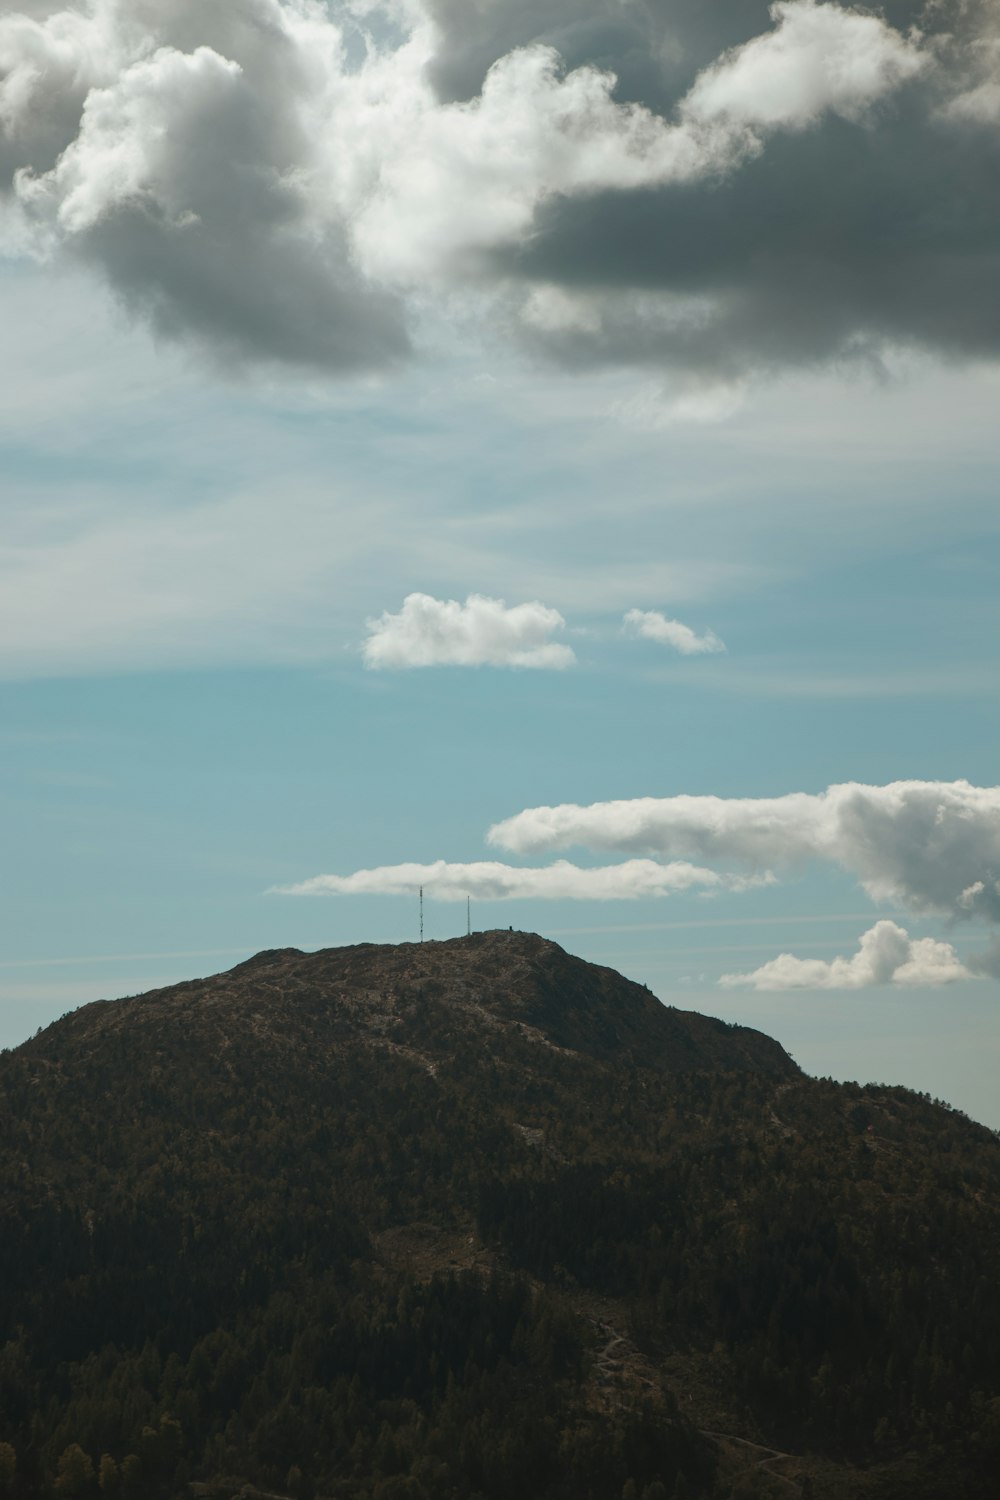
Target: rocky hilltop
{"type": "Point", "coordinates": [478, 1220]}
{"type": "Point", "coordinates": [497, 989]}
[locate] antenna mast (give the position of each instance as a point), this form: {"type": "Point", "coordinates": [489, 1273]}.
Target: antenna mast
{"type": "Point", "coordinates": [468, 916]}
{"type": "Point", "coordinates": [421, 913]}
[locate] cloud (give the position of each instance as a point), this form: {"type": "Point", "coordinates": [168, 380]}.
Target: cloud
{"type": "Point", "coordinates": [929, 846]}
{"type": "Point", "coordinates": [986, 963]}
{"type": "Point", "coordinates": [171, 149]}
{"type": "Point", "coordinates": [430, 632]}
{"type": "Point", "coordinates": [705, 188]}
{"type": "Point", "coordinates": [836, 235]}
{"type": "Point", "coordinates": [979, 103]}
{"type": "Point", "coordinates": [487, 880]}
{"type": "Point", "coordinates": [886, 955]}
{"type": "Point", "coordinates": [819, 58]}
{"type": "Point", "coordinates": [469, 178]}
{"type": "Point", "coordinates": [651, 625]}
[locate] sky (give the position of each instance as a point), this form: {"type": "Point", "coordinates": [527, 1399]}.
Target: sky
{"type": "Point", "coordinates": [542, 453]}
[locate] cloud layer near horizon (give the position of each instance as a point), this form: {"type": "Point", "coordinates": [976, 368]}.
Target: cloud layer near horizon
{"type": "Point", "coordinates": [914, 842]}
{"type": "Point", "coordinates": [488, 880]}
{"type": "Point", "coordinates": [929, 846]}
{"type": "Point", "coordinates": [886, 955]}
{"type": "Point", "coordinates": [429, 632]}
{"type": "Point", "coordinates": [713, 187]}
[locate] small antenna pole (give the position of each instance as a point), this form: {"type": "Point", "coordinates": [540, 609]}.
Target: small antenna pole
{"type": "Point", "coordinates": [421, 913]}
{"type": "Point", "coordinates": [468, 916]}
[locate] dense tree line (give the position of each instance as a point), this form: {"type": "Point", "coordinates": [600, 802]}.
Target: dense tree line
{"type": "Point", "coordinates": [839, 1259]}
{"type": "Point", "coordinates": [361, 1386]}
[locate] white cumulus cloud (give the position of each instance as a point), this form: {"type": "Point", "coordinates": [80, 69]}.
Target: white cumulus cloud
{"type": "Point", "coordinates": [651, 625]}
{"type": "Point", "coordinates": [488, 880]}
{"type": "Point", "coordinates": [429, 632]}
{"type": "Point", "coordinates": [886, 955]}
{"type": "Point", "coordinates": [928, 846]}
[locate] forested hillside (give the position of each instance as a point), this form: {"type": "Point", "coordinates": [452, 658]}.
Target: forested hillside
{"type": "Point", "coordinates": [477, 1219]}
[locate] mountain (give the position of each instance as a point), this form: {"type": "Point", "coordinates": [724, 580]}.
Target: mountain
{"type": "Point", "coordinates": [477, 1220]}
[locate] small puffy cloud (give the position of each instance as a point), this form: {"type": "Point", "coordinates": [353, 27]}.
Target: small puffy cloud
{"type": "Point", "coordinates": [928, 846]}
{"type": "Point", "coordinates": [651, 625]}
{"type": "Point", "coordinates": [979, 102]}
{"type": "Point", "coordinates": [692, 401]}
{"type": "Point", "coordinates": [818, 58]}
{"type": "Point", "coordinates": [429, 632]}
{"type": "Point", "coordinates": [980, 105]}
{"type": "Point", "coordinates": [488, 880]}
{"type": "Point", "coordinates": [886, 955]}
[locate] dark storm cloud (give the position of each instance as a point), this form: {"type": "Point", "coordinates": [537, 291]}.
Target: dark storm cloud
{"type": "Point", "coordinates": [827, 245]}
{"type": "Point", "coordinates": [713, 186]}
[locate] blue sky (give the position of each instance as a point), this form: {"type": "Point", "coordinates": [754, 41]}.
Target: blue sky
{"type": "Point", "coordinates": [200, 536]}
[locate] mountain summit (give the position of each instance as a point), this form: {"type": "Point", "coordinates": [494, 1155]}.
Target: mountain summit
{"type": "Point", "coordinates": [477, 1220]}
{"type": "Point", "coordinates": [497, 989]}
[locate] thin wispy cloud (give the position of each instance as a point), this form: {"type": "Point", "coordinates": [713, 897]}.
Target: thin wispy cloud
{"type": "Point", "coordinates": [488, 880]}
{"type": "Point", "coordinates": [482, 632]}
{"type": "Point", "coordinates": [282, 181]}
{"type": "Point", "coordinates": [116, 958]}
{"type": "Point", "coordinates": [886, 954]}
{"type": "Point", "coordinates": [224, 579]}
{"type": "Point", "coordinates": [925, 846]}
{"type": "Point", "coordinates": [785, 920]}
{"type": "Point", "coordinates": [652, 625]}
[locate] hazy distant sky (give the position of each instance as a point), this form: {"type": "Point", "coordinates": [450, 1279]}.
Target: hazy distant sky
{"type": "Point", "coordinates": [542, 451]}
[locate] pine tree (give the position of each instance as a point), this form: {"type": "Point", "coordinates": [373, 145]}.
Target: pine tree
{"type": "Point", "coordinates": [108, 1476]}
{"type": "Point", "coordinates": [74, 1471]}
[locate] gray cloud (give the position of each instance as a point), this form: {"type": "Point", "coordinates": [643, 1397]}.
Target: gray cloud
{"type": "Point", "coordinates": [832, 243]}
{"type": "Point", "coordinates": [169, 146]}
{"type": "Point", "coordinates": [710, 186]}
{"type": "Point", "coordinates": [832, 246]}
